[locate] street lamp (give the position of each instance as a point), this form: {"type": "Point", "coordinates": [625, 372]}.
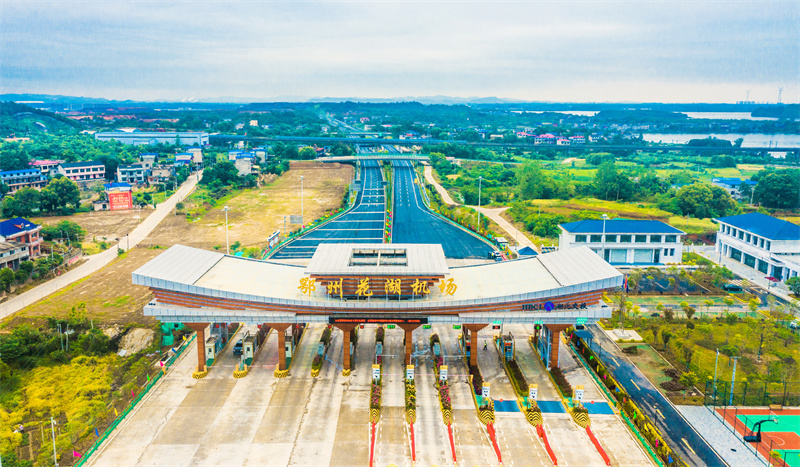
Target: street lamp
{"type": "Point", "coordinates": [227, 240]}
{"type": "Point", "coordinates": [479, 204]}
{"type": "Point", "coordinates": [302, 213]}
{"type": "Point", "coordinates": [603, 238]}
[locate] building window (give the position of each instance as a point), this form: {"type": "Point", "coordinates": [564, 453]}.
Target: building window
{"type": "Point", "coordinates": [671, 239]}
{"type": "Point", "coordinates": [761, 242]}
{"type": "Point", "coordinates": [596, 238]}
{"type": "Point", "coordinates": [641, 239]}
{"type": "Point", "coordinates": [611, 238]}
{"type": "Point", "coordinates": [666, 252]}
{"type": "Point", "coordinates": [624, 238]}
{"type": "Point", "coordinates": [580, 239]}
{"type": "Point", "coordinates": [655, 239]}
{"type": "Point", "coordinates": [747, 238]}
{"type": "Point", "coordinates": [741, 235]}
{"type": "Point", "coordinates": [768, 244]}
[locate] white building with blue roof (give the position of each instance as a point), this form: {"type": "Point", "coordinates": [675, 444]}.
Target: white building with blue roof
{"type": "Point", "coordinates": [624, 241]}
{"type": "Point", "coordinates": [765, 243]}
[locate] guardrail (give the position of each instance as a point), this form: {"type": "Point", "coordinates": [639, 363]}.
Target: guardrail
{"type": "Point", "coordinates": [646, 428]}
{"type": "Point", "coordinates": [121, 417]}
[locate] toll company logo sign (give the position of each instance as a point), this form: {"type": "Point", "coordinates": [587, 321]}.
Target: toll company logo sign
{"type": "Point", "coordinates": [550, 306]}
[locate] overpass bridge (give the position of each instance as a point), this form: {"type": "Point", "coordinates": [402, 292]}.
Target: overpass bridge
{"type": "Point", "coordinates": [375, 156]}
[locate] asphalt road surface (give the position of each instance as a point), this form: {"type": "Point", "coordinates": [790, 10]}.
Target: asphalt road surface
{"type": "Point", "coordinates": [692, 447]}
{"type": "Point", "coordinates": [413, 223]}
{"type": "Point", "coordinates": [363, 224]}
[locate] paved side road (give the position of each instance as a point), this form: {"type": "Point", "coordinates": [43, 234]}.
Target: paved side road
{"type": "Point", "coordinates": [96, 262]}
{"type": "Point", "coordinates": [692, 447]}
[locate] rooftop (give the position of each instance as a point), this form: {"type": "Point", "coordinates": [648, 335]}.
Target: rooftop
{"type": "Point", "coordinates": [616, 226]}
{"type": "Point", "coordinates": [191, 270]}
{"type": "Point", "coordinates": [764, 226]}
{"type": "Point", "coordinates": [72, 165]}
{"type": "Point", "coordinates": [395, 259]}
{"type": "Point", "coordinates": [12, 246]}
{"type": "Point", "coordinates": [15, 226]}
{"type": "Point", "coordinates": [20, 172]}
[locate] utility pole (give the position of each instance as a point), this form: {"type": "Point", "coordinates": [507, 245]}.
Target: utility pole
{"type": "Point", "coordinates": [302, 211]}
{"type": "Point", "coordinates": [716, 360]}
{"type": "Point", "coordinates": [733, 379]}
{"type": "Point", "coordinates": [227, 240]}
{"type": "Point", "coordinates": [53, 434]}
{"type": "Point", "coordinates": [480, 179]}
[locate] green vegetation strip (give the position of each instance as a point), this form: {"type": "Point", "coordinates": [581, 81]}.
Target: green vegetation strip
{"type": "Point", "coordinates": [130, 407]}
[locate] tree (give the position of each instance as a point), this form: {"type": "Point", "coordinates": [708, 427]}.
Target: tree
{"type": "Point", "coordinates": [688, 379]}
{"type": "Point", "coordinates": [533, 183]}
{"type": "Point", "coordinates": [665, 337]}
{"type": "Point", "coordinates": [794, 285]}
{"type": "Point", "coordinates": [307, 153]}
{"type": "Point", "coordinates": [64, 229]}
{"type": "Point", "coordinates": [65, 191]}
{"type": "Point", "coordinates": [668, 314]}
{"type": "Point", "coordinates": [6, 278]}
{"type": "Point", "coordinates": [779, 189]}
{"type": "Point", "coordinates": [611, 184]}
{"type": "Point", "coordinates": [702, 201]}
{"type": "Point", "coordinates": [24, 202]}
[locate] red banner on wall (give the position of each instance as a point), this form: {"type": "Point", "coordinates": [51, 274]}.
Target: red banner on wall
{"type": "Point", "coordinates": [123, 200]}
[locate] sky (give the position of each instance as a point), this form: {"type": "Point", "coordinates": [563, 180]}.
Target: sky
{"type": "Point", "coordinates": [563, 51]}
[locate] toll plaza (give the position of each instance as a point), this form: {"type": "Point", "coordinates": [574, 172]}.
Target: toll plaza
{"type": "Point", "coordinates": [347, 284]}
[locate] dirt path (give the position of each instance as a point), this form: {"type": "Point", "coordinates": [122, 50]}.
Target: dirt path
{"type": "Point", "coordinates": [439, 188]}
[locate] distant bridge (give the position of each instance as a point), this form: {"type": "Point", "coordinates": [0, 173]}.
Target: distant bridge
{"type": "Point", "coordinates": [324, 140]}
{"type": "Point", "coordinates": [375, 156]}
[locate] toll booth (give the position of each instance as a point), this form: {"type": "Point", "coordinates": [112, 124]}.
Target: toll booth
{"type": "Point", "coordinates": [508, 347]}
{"type": "Point", "coordinates": [466, 341]}
{"type": "Point", "coordinates": [212, 343]}
{"type": "Point", "coordinates": [249, 345]}
{"type": "Point", "coordinates": [289, 344]}
{"type": "Point", "coordinates": [544, 345]}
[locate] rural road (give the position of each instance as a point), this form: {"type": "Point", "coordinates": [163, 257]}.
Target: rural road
{"type": "Point", "coordinates": [96, 262]}
{"type": "Point", "coordinates": [491, 213]}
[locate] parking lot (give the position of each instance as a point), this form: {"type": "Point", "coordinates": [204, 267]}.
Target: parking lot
{"type": "Point", "coordinates": [301, 420]}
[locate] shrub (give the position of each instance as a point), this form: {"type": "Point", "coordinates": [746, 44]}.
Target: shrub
{"type": "Point", "coordinates": [375, 396]}
{"type": "Point", "coordinates": [561, 382]}
{"type": "Point", "coordinates": [520, 383]}
{"type": "Point", "coordinates": [379, 334]}
{"type": "Point", "coordinates": [632, 350]}
{"type": "Point", "coordinates": [444, 396]}
{"type": "Point", "coordinates": [326, 336]}
{"type": "Point", "coordinates": [317, 363]}
{"type": "Point", "coordinates": [477, 379]}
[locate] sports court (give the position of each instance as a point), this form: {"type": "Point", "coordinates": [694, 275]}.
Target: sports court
{"type": "Point", "coordinates": [783, 436]}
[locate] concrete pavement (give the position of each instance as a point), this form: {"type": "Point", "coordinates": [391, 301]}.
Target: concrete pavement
{"type": "Point", "coordinates": [439, 188]}
{"type": "Point", "coordinates": [98, 261]}
{"type": "Point", "coordinates": [756, 277]}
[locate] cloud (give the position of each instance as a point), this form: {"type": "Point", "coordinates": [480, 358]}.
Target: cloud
{"type": "Point", "coordinates": [652, 51]}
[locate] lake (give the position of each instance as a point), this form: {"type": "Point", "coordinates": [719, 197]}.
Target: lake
{"type": "Point", "coordinates": [754, 140]}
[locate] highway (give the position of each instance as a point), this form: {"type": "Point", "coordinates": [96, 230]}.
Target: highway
{"type": "Point", "coordinates": [413, 223]}
{"type": "Point", "coordinates": [692, 447]}
{"type": "Point", "coordinates": [362, 224]}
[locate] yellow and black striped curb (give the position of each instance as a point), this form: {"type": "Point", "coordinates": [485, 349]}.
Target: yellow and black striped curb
{"type": "Point", "coordinates": [240, 373]}
{"type": "Point", "coordinates": [345, 372]}
{"type": "Point", "coordinates": [411, 415]}
{"type": "Point", "coordinates": [374, 415]}
{"type": "Point", "coordinates": [314, 372]}
{"type": "Point", "coordinates": [581, 418]}
{"type": "Point", "coordinates": [281, 373]}
{"type": "Point", "coordinates": [200, 374]}
{"type": "Point", "coordinates": [534, 417]}
{"type": "Point", "coordinates": [486, 416]}
{"type": "Point", "coordinates": [447, 416]}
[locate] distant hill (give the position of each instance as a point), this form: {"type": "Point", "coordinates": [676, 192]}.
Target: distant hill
{"type": "Point", "coordinates": [20, 119]}
{"type": "Point", "coordinates": [790, 111]}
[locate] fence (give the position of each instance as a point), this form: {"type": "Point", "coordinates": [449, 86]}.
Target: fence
{"type": "Point", "coordinates": [130, 407]}
{"type": "Point", "coordinates": [739, 424]}
{"type": "Point", "coordinates": [758, 394]}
